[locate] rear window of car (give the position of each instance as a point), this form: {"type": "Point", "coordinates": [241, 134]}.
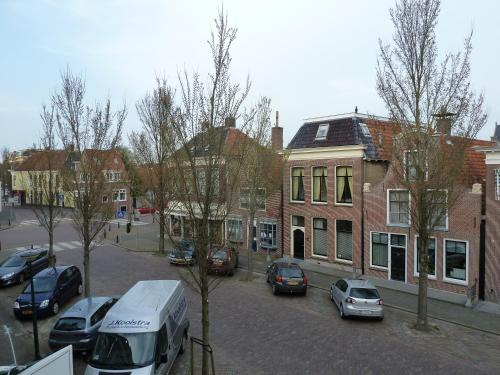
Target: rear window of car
{"type": "Point", "coordinates": [70, 324]}
{"type": "Point", "coordinates": [219, 254]}
{"type": "Point", "coordinates": [364, 293]}
{"type": "Point", "coordinates": [291, 272]}
{"type": "Point", "coordinates": [14, 261]}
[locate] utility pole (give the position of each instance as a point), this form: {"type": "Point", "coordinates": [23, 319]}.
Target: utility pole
{"type": "Point", "coordinates": [33, 313]}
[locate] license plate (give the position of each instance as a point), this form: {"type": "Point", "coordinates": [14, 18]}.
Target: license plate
{"type": "Point", "coordinates": [26, 312]}
{"type": "Point", "coordinates": [292, 283]}
{"type": "Point", "coordinates": [218, 262]}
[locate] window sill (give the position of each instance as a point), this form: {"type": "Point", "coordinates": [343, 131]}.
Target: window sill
{"type": "Point", "coordinates": [456, 281]}
{"type": "Point", "coordinates": [379, 268]}
{"type": "Point", "coordinates": [300, 202]}
{"type": "Point", "coordinates": [320, 257]}
{"type": "Point", "coordinates": [319, 203]}
{"type": "Point", "coordinates": [396, 225]}
{"type": "Point", "coordinates": [345, 261]}
{"type": "Point", "coordinates": [430, 277]}
{"type": "Point", "coordinates": [343, 204]}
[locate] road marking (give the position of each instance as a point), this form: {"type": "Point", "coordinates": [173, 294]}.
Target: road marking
{"type": "Point", "coordinates": [57, 247]}
{"type": "Point", "coordinates": [20, 248]}
{"type": "Point", "coordinates": [77, 243]}
{"type": "Point", "coordinates": [67, 245]}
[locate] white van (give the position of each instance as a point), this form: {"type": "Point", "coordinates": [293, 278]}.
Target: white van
{"type": "Point", "coordinates": [143, 332]}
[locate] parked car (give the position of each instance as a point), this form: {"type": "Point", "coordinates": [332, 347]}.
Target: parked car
{"type": "Point", "coordinates": [222, 260]}
{"type": "Point", "coordinates": [53, 286]}
{"type": "Point", "coordinates": [146, 210]}
{"type": "Point", "coordinates": [286, 277]}
{"type": "Point", "coordinates": [357, 297]}
{"type": "Point", "coordinates": [183, 253]}
{"type": "Point", "coordinates": [78, 325]}
{"type": "Point", "coordinates": [14, 269]}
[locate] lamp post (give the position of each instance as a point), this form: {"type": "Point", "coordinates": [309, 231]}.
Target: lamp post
{"type": "Point", "coordinates": [33, 311]}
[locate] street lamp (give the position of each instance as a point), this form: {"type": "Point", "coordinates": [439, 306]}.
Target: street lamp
{"type": "Point", "coordinates": [33, 308]}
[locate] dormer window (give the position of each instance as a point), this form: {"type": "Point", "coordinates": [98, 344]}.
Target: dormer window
{"type": "Point", "coordinates": [364, 129]}
{"type": "Point", "coordinates": [322, 131]}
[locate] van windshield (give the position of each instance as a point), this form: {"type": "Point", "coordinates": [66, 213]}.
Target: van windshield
{"type": "Point", "coordinates": [123, 350]}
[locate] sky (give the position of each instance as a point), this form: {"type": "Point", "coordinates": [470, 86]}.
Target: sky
{"type": "Point", "coordinates": [312, 58]}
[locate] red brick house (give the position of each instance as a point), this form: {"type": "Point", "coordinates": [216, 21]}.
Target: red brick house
{"type": "Point", "coordinates": [492, 214]}
{"type": "Point", "coordinates": [343, 206]}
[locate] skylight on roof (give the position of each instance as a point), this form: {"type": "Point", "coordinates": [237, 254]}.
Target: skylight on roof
{"type": "Point", "coordinates": [322, 131]}
{"type": "Point", "coordinates": [364, 129]}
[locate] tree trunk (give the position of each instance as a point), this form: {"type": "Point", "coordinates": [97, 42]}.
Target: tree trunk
{"type": "Point", "coordinates": [86, 267]}
{"type": "Point", "coordinates": [422, 323]}
{"type": "Point", "coordinates": [161, 248]}
{"type": "Point", "coordinates": [52, 260]}
{"type": "Point", "coordinates": [249, 245]}
{"type": "Point", "coordinates": [205, 322]}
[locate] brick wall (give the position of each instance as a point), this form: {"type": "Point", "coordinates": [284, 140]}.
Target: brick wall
{"type": "Point", "coordinates": [463, 224]}
{"type": "Point", "coordinates": [492, 251]}
{"type": "Point", "coordinates": [329, 211]}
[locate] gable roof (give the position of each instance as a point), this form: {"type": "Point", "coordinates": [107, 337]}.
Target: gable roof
{"type": "Point", "coordinates": [43, 161]}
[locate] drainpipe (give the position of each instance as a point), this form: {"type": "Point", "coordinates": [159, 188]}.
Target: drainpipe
{"type": "Point", "coordinates": [362, 218]}
{"type": "Point", "coordinates": [282, 221]}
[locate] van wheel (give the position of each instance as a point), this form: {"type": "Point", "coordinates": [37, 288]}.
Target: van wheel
{"type": "Point", "coordinates": [182, 349]}
{"type": "Point", "coordinates": [55, 308]}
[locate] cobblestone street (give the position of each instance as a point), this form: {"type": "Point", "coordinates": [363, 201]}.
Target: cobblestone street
{"type": "Point", "coordinates": [254, 332]}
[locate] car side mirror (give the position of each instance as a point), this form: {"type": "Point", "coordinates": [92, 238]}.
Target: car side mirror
{"type": "Point", "coordinates": [164, 358]}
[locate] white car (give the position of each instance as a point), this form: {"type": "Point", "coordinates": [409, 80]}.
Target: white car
{"type": "Point", "coordinates": [357, 297]}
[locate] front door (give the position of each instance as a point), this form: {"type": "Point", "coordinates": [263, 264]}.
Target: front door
{"type": "Point", "coordinates": [298, 243]}
{"type": "Point", "coordinates": [398, 255]}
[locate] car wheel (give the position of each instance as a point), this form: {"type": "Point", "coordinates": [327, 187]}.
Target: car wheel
{"type": "Point", "coordinates": [182, 349]}
{"type": "Point", "coordinates": [20, 279]}
{"type": "Point", "coordinates": [267, 278]}
{"type": "Point", "coordinates": [79, 291]}
{"type": "Point", "coordinates": [231, 273]}
{"type": "Point", "coordinates": [331, 295]}
{"type": "Point", "coordinates": [341, 310]}
{"type": "Point", "coordinates": [275, 290]}
{"type": "Point", "coordinates": [305, 292]}
{"type": "Point", "coordinates": [55, 308]}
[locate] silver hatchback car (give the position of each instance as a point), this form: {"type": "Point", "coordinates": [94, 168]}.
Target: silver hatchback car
{"type": "Point", "coordinates": [357, 297]}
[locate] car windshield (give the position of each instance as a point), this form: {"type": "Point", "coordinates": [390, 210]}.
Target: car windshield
{"type": "Point", "coordinates": [219, 254]}
{"type": "Point", "coordinates": [123, 350]}
{"type": "Point", "coordinates": [14, 261]}
{"type": "Point", "coordinates": [41, 284]}
{"type": "Point", "coordinates": [70, 324]}
{"type": "Point", "coordinates": [364, 293]}
{"type": "Point", "coordinates": [291, 272]}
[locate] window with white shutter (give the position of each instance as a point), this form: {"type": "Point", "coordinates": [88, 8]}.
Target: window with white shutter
{"type": "Point", "coordinates": [344, 239]}
{"type": "Point", "coordinates": [320, 242]}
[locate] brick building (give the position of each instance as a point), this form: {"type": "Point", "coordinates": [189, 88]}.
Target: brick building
{"type": "Point", "coordinates": [343, 205]}
{"type": "Point", "coordinates": [492, 214]}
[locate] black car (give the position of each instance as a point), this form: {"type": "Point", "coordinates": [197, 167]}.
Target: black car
{"type": "Point", "coordinates": [286, 277]}
{"type": "Point", "coordinates": [53, 286]}
{"type": "Point", "coordinates": [14, 269]}
{"type": "Point", "coordinates": [79, 324]}
{"type": "Point", "coordinates": [183, 253]}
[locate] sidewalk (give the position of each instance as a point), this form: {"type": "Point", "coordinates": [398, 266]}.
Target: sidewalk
{"type": "Point", "coordinates": [484, 316]}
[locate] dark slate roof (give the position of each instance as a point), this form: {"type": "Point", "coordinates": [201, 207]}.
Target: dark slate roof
{"type": "Point", "coordinates": [346, 131]}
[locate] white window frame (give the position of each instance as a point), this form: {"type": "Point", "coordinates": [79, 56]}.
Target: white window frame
{"type": "Point", "coordinates": [451, 280]}
{"type": "Point", "coordinates": [268, 222]}
{"type": "Point", "coordinates": [340, 260]}
{"type": "Point", "coordinates": [292, 229]}
{"type": "Point", "coordinates": [445, 228]}
{"type": "Point", "coordinates": [335, 183]}
{"type": "Point", "coordinates": [496, 176]}
{"type": "Point", "coordinates": [374, 266]}
{"type": "Point", "coordinates": [312, 237]}
{"type": "Point", "coordinates": [312, 185]}
{"type": "Point", "coordinates": [415, 258]}
{"type": "Point", "coordinates": [388, 206]}
{"type": "Point", "coordinates": [257, 208]}
{"type": "Point", "coordinates": [404, 166]}
{"type": "Point", "coordinates": [291, 184]}
{"type": "Point", "coordinates": [322, 128]}
{"type": "Point", "coordinates": [228, 226]}
{"type": "Point", "coordinates": [119, 191]}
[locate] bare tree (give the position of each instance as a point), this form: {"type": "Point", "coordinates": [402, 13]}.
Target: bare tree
{"type": "Point", "coordinates": [428, 154]}
{"type": "Point", "coordinates": [262, 168]}
{"type": "Point", "coordinates": [206, 155]}
{"type": "Point", "coordinates": [45, 178]}
{"type": "Point", "coordinates": [90, 134]}
{"type": "Point", "coordinates": [152, 149]}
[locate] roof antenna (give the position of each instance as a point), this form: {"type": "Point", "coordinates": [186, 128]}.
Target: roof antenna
{"type": "Point", "coordinates": [356, 109]}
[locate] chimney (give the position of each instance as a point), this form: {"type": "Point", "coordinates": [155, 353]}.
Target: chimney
{"type": "Point", "coordinates": [230, 122]}
{"type": "Point", "coordinates": [443, 121]}
{"type": "Point", "coordinates": [277, 135]}
{"type": "Point", "coordinates": [496, 134]}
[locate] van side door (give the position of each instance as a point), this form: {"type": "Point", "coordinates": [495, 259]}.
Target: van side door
{"type": "Point", "coordinates": [162, 355]}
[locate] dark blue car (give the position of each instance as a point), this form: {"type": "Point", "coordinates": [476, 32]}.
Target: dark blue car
{"type": "Point", "coordinates": [14, 269]}
{"type": "Point", "coordinates": [53, 287]}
